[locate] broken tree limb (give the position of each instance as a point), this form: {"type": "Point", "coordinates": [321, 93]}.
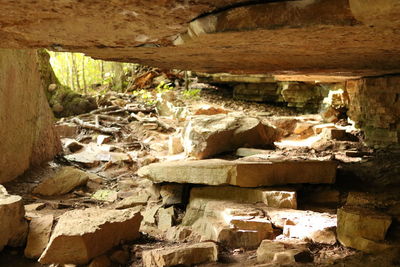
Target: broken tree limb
{"type": "Point", "coordinates": [161, 124]}
{"type": "Point", "coordinates": [102, 110]}
{"type": "Point", "coordinates": [109, 130]}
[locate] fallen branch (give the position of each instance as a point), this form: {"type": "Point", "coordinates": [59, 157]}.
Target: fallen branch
{"type": "Point", "coordinates": [102, 110]}
{"type": "Point", "coordinates": [108, 130]}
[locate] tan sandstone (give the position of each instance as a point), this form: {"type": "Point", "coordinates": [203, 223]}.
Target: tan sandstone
{"type": "Point", "coordinates": [13, 226]}
{"type": "Point", "coordinates": [181, 255]}
{"type": "Point", "coordinates": [38, 236]}
{"type": "Point", "coordinates": [205, 136]}
{"type": "Point", "coordinates": [63, 181]}
{"type": "Point", "coordinates": [81, 235]}
{"type": "Point", "coordinates": [363, 229]}
{"type": "Point", "coordinates": [241, 173]}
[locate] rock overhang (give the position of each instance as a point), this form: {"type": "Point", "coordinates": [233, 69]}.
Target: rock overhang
{"type": "Point", "coordinates": [304, 39]}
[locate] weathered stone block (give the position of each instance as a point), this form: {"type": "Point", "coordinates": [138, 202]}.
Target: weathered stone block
{"type": "Point", "coordinates": [241, 173]}
{"type": "Point", "coordinates": [187, 255]}
{"type": "Point", "coordinates": [64, 180]}
{"type": "Point", "coordinates": [362, 228]}
{"type": "Point", "coordinates": [81, 235]}
{"type": "Point", "coordinates": [205, 136]}
{"type": "Point", "coordinates": [13, 226]}
{"type": "Point", "coordinates": [38, 236]}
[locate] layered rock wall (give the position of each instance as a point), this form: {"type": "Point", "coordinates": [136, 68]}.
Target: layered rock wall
{"type": "Point", "coordinates": [26, 122]}
{"type": "Point", "coordinates": [375, 107]}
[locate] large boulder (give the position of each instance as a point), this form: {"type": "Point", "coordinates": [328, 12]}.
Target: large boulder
{"type": "Point", "coordinates": [241, 173]}
{"type": "Point", "coordinates": [26, 121]}
{"type": "Point", "coordinates": [13, 226]}
{"type": "Point", "coordinates": [81, 235]}
{"type": "Point", "coordinates": [205, 136]}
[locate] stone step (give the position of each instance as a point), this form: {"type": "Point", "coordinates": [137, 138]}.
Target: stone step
{"type": "Point", "coordinates": [241, 173]}
{"type": "Point", "coordinates": [246, 225]}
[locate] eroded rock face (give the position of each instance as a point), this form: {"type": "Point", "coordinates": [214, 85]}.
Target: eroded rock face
{"type": "Point", "coordinates": [27, 132]}
{"type": "Point", "coordinates": [81, 235]}
{"type": "Point", "coordinates": [332, 37]}
{"type": "Point", "coordinates": [205, 136]}
{"type": "Point", "coordinates": [13, 226]}
{"type": "Point", "coordinates": [241, 173]}
{"type": "Point", "coordinates": [375, 106]}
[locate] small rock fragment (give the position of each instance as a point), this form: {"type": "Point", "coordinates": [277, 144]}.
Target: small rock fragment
{"type": "Point", "coordinates": [283, 252]}
{"type": "Point", "coordinates": [166, 218]}
{"type": "Point", "coordinates": [101, 139]}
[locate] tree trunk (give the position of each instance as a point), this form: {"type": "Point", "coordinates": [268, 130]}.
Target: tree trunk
{"type": "Point", "coordinates": [118, 76]}
{"type": "Point", "coordinates": [83, 75]}
{"type": "Point", "coordinates": [102, 70]}
{"type": "Point", "coordinates": [71, 73]}
{"type": "Point", "coordinates": [76, 73]}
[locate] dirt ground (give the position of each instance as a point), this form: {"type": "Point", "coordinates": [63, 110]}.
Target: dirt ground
{"type": "Point", "coordinates": [145, 139]}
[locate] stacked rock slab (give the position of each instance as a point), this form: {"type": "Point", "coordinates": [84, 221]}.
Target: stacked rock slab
{"type": "Point", "coordinates": [13, 226]}
{"type": "Point", "coordinates": [81, 235]}
{"type": "Point", "coordinates": [241, 173]}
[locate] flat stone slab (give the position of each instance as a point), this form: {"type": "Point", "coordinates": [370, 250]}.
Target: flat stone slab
{"type": "Point", "coordinates": [241, 173]}
{"type": "Point", "coordinates": [271, 197]}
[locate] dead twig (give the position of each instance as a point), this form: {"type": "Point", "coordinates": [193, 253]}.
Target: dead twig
{"type": "Point", "coordinates": [108, 130]}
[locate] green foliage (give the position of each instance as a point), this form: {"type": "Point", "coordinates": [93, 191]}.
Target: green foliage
{"type": "Point", "coordinates": [145, 96]}
{"type": "Point", "coordinates": [191, 94]}
{"type": "Point", "coordinates": [82, 73]}
{"type": "Point", "coordinates": [163, 87]}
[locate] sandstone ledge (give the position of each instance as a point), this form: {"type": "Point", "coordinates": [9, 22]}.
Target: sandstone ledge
{"type": "Point", "coordinates": [241, 173]}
